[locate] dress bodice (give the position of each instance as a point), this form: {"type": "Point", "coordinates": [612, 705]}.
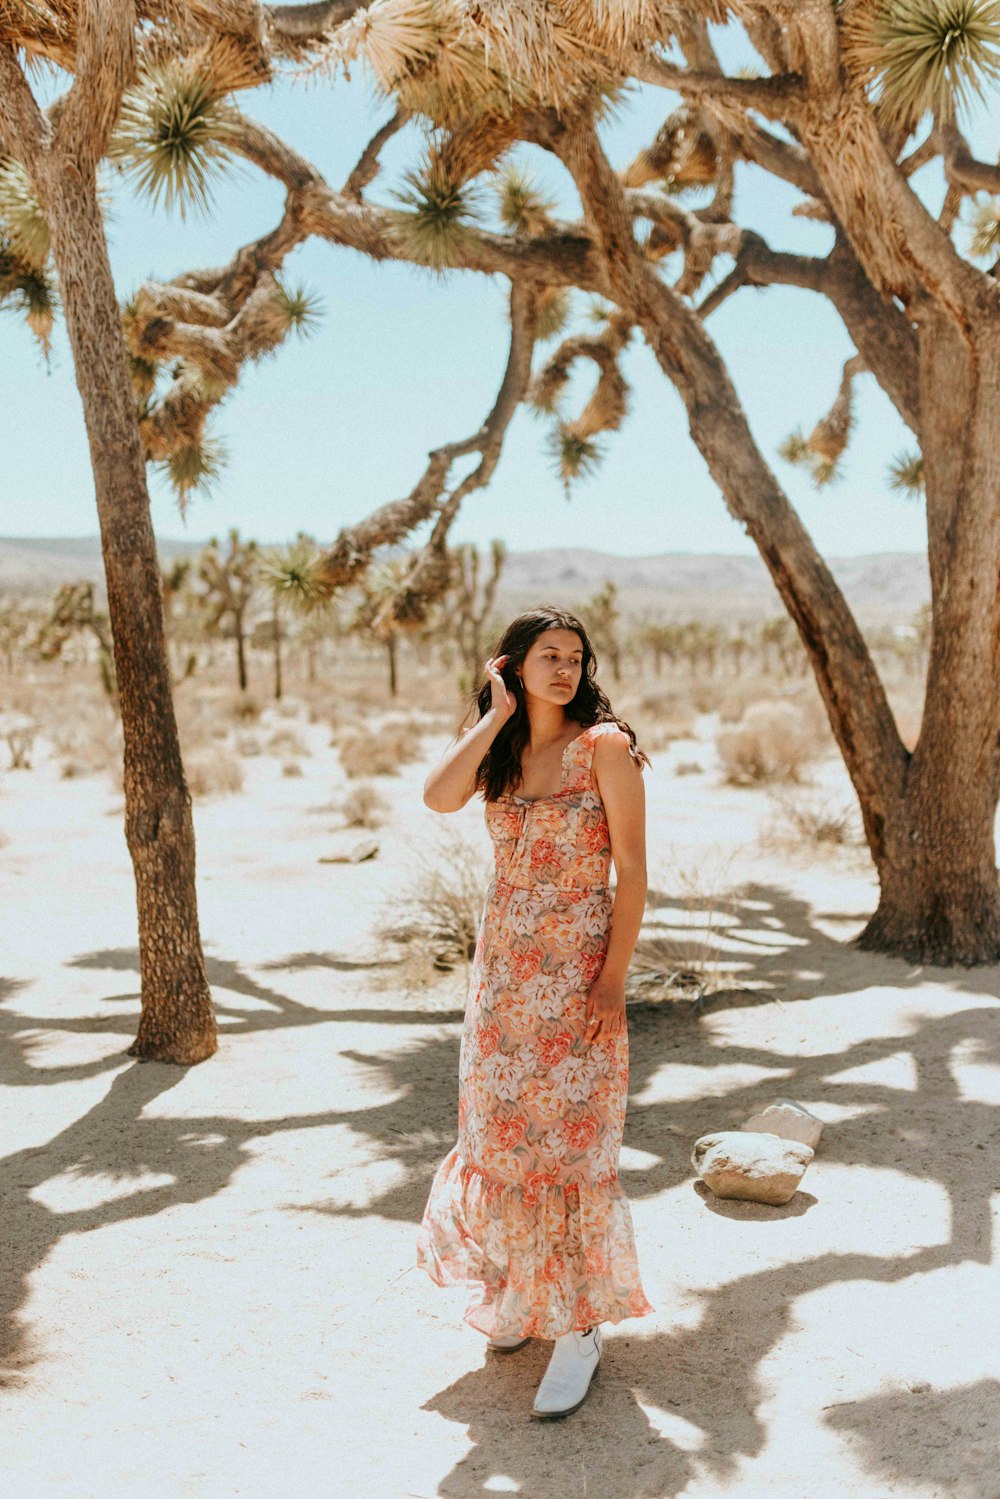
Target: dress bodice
{"type": "Point", "coordinates": [558, 842]}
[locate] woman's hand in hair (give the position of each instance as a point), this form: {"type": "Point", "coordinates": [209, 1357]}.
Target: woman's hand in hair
{"type": "Point", "coordinates": [503, 703]}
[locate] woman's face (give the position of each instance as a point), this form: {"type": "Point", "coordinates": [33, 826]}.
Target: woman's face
{"type": "Point", "coordinates": [552, 668]}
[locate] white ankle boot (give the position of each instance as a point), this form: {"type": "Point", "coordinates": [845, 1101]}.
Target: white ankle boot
{"type": "Point", "coordinates": [567, 1379]}
{"type": "Point", "coordinates": [507, 1344]}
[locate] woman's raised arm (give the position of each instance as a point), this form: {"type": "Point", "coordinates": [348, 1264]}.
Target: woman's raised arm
{"type": "Point", "coordinates": [453, 780]}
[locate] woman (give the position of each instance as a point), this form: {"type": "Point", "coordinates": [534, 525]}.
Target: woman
{"type": "Point", "coordinates": [528, 1204]}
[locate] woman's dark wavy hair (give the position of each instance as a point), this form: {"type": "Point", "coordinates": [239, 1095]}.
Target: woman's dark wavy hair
{"type": "Point", "coordinates": [500, 769]}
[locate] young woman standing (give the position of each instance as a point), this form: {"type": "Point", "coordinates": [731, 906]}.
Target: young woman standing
{"type": "Point", "coordinates": [528, 1205]}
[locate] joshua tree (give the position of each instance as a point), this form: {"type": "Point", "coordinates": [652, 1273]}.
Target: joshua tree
{"type": "Point", "coordinates": [52, 157]}
{"type": "Point", "coordinates": [603, 616]}
{"type": "Point", "coordinates": [292, 576]}
{"type": "Point", "coordinates": [850, 100]}
{"type": "Point", "coordinates": [228, 582]}
{"type": "Point", "coordinates": [74, 611]}
{"type": "Point", "coordinates": [474, 597]}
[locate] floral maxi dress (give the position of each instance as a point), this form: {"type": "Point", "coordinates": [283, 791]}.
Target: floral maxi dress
{"type": "Point", "coordinates": [528, 1205]}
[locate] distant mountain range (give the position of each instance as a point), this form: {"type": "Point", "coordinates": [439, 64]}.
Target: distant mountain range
{"type": "Point", "coordinates": [884, 587]}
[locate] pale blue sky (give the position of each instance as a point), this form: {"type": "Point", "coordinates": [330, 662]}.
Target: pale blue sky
{"type": "Point", "coordinates": [403, 360]}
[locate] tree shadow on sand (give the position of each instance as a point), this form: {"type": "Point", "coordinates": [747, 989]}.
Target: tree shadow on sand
{"type": "Point", "coordinates": [659, 1398]}
{"type": "Point", "coordinates": [703, 1382]}
{"type": "Point", "coordinates": [117, 1141]}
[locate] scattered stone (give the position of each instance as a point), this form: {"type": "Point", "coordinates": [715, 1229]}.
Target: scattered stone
{"type": "Point", "coordinates": [788, 1120]}
{"type": "Point", "coordinates": [759, 1167]}
{"type": "Point", "coordinates": [366, 848]}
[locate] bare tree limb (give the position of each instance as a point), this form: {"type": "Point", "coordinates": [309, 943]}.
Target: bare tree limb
{"type": "Point", "coordinates": [351, 552]}
{"type": "Point", "coordinates": [105, 65]}
{"type": "Point", "coordinates": [367, 164]}
{"type": "Point", "coordinates": [24, 130]}
{"type": "Point", "coordinates": [778, 97]}
{"type": "Point", "coordinates": [961, 168]}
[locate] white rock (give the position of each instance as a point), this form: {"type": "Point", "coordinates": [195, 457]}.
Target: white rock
{"type": "Point", "coordinates": [789, 1120]}
{"type": "Point", "coordinates": [758, 1167]}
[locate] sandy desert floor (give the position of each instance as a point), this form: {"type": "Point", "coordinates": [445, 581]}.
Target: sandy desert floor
{"type": "Point", "coordinates": [208, 1284]}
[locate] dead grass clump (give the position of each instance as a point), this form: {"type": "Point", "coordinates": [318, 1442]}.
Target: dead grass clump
{"type": "Point", "coordinates": [382, 752]}
{"type": "Point", "coordinates": [437, 913]}
{"type": "Point", "coordinates": [249, 746]}
{"type": "Point", "coordinates": [287, 742]}
{"type": "Point", "coordinates": [214, 772]}
{"type": "Point", "coordinates": [812, 823]}
{"type": "Point", "coordinates": [290, 769]}
{"type": "Point", "coordinates": [364, 806]}
{"type": "Point", "coordinates": [242, 707]}
{"type": "Point", "coordinates": [688, 768]}
{"type": "Point", "coordinates": [774, 741]}
{"type": "Point", "coordinates": [680, 952]}
{"type": "Point", "coordinates": [19, 734]}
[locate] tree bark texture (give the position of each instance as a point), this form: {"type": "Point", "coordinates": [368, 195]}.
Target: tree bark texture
{"type": "Point", "coordinates": [940, 897]}
{"type": "Point", "coordinates": [177, 1022]}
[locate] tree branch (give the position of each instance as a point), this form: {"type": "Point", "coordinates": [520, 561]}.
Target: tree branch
{"type": "Point", "coordinates": [367, 165]}
{"type": "Point", "coordinates": [105, 65]}
{"type": "Point", "coordinates": [24, 129]}
{"type": "Point", "coordinates": [351, 552]}
{"type": "Point", "coordinates": [961, 168]}
{"type": "Point", "coordinates": [778, 98]}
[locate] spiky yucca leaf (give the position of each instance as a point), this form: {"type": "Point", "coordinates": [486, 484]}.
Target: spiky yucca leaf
{"type": "Point", "coordinates": [29, 292]}
{"type": "Point", "coordinates": [436, 226]}
{"type": "Point", "coordinates": [906, 474]}
{"type": "Point", "coordinates": [21, 218]}
{"type": "Point", "coordinates": [794, 449]}
{"type": "Point", "coordinates": [299, 310]}
{"type": "Point", "coordinates": [522, 207]}
{"type": "Point", "coordinates": [294, 575]}
{"type": "Point", "coordinates": [195, 466]}
{"type": "Point", "coordinates": [575, 457]}
{"type": "Point", "coordinates": [927, 55]}
{"type": "Point", "coordinates": [143, 373]}
{"type": "Point", "coordinates": [984, 241]}
{"type": "Point", "coordinates": [554, 311]}
{"type": "Point", "coordinates": [174, 134]}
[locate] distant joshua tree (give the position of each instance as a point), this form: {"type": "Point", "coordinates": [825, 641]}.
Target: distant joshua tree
{"type": "Point", "coordinates": [74, 611]}
{"type": "Point", "coordinates": [474, 598]}
{"type": "Point", "coordinates": [227, 583]}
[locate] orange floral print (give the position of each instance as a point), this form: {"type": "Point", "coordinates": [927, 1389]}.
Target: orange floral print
{"type": "Point", "coordinates": [528, 1207]}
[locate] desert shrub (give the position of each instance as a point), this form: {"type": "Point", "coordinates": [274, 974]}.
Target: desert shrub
{"type": "Point", "coordinates": [214, 772]}
{"type": "Point", "coordinates": [242, 707]}
{"type": "Point", "coordinates": [290, 769]}
{"type": "Point", "coordinates": [19, 735]}
{"type": "Point", "coordinates": [688, 768]}
{"type": "Point", "coordinates": [248, 745]}
{"type": "Point", "coordinates": [380, 752]}
{"type": "Point", "coordinates": [773, 741]}
{"type": "Point", "coordinates": [813, 823]}
{"type": "Point", "coordinates": [364, 806]}
{"type": "Point", "coordinates": [438, 911]}
{"type": "Point", "coordinates": [681, 950]}
{"type": "Point", "coordinates": [286, 742]}
{"type": "Point", "coordinates": [84, 732]}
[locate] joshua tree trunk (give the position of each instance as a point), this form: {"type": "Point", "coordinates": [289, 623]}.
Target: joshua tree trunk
{"type": "Point", "coordinates": [390, 650]}
{"type": "Point", "coordinates": [241, 650]}
{"type": "Point", "coordinates": [276, 625]}
{"type": "Point", "coordinates": [177, 1023]}
{"type": "Point", "coordinates": [940, 898]}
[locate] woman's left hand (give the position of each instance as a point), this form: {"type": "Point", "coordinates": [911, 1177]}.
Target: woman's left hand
{"type": "Point", "coordinates": [605, 1008]}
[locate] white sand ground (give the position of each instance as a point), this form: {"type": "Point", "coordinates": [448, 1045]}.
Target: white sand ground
{"type": "Point", "coordinates": [207, 1274]}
